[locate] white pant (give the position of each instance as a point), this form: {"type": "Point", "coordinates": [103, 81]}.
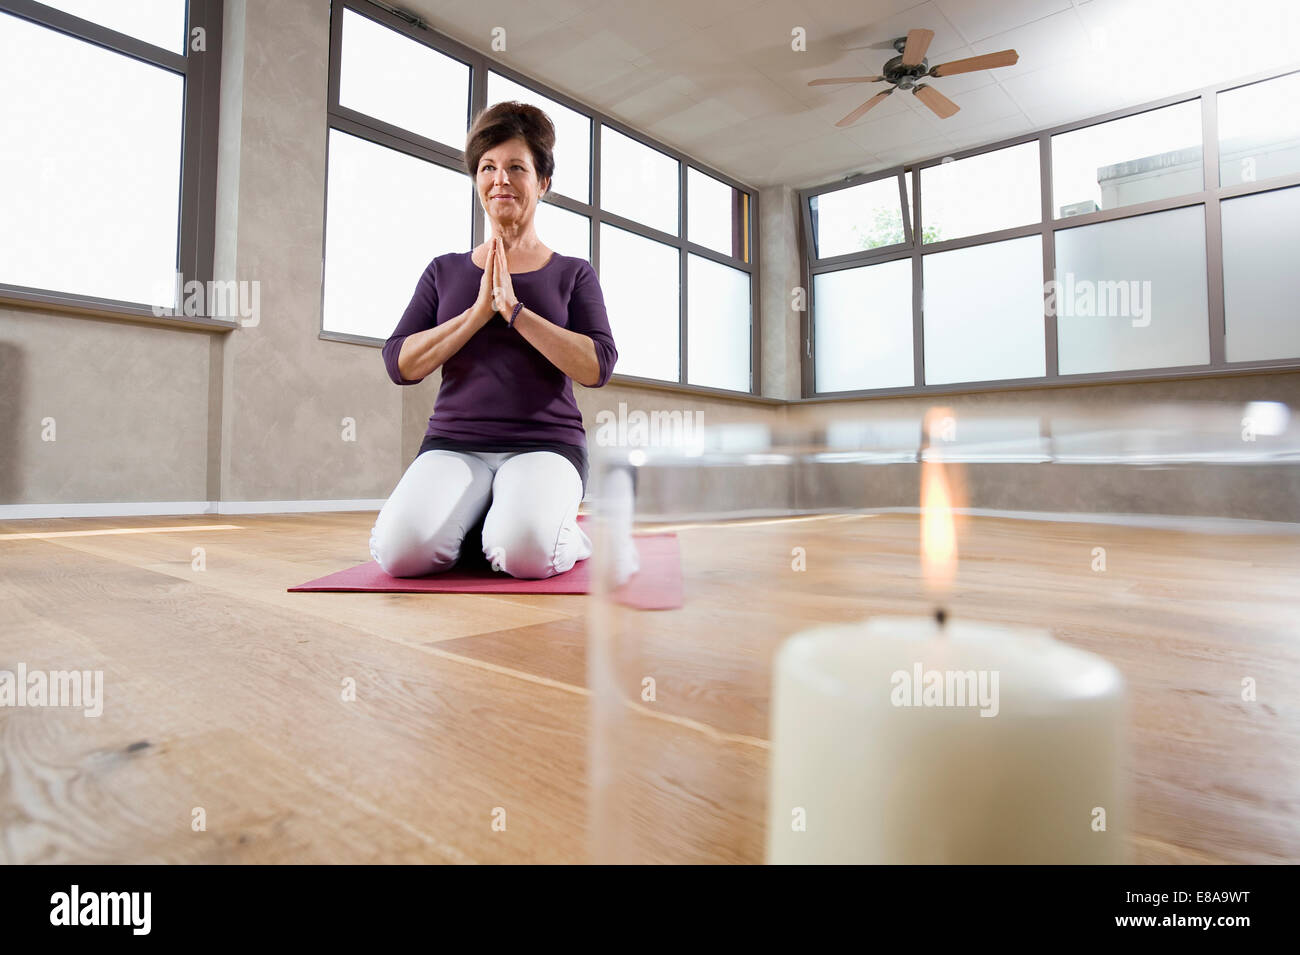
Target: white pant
{"type": "Point", "coordinates": [530, 529]}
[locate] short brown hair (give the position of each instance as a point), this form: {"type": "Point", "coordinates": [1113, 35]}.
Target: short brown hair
{"type": "Point", "coordinates": [500, 122]}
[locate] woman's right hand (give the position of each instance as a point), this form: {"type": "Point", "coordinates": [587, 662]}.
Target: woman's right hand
{"type": "Point", "coordinates": [483, 309]}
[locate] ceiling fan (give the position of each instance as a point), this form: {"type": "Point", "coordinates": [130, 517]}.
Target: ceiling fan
{"type": "Point", "coordinates": [904, 71]}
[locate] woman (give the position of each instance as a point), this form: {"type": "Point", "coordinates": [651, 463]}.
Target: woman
{"type": "Point", "coordinates": [512, 324]}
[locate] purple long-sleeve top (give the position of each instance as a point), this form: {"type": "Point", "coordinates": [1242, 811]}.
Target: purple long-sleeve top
{"type": "Point", "coordinates": [498, 387]}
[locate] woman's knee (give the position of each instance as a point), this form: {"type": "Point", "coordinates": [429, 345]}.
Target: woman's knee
{"type": "Point", "coordinates": [407, 549]}
{"type": "Point", "coordinates": [523, 548]}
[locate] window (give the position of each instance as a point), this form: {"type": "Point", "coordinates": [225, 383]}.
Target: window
{"type": "Point", "coordinates": [718, 345]}
{"type": "Point", "coordinates": [863, 327]}
{"type": "Point", "coordinates": [388, 215]}
{"type": "Point", "coordinates": [982, 193]}
{"type": "Point", "coordinates": [641, 282]}
{"type": "Point", "coordinates": [1261, 285]}
{"type": "Point", "coordinates": [862, 217]}
{"type": "Point", "coordinates": [566, 232]}
{"type": "Point", "coordinates": [1131, 293]}
{"type": "Point", "coordinates": [403, 82]}
{"type": "Point", "coordinates": [572, 136]}
{"type": "Point", "coordinates": [717, 215]}
{"type": "Point", "coordinates": [1153, 155]}
{"type": "Point", "coordinates": [90, 199]}
{"type": "Point", "coordinates": [160, 22]}
{"type": "Point", "coordinates": [1259, 131]}
{"type": "Point", "coordinates": [981, 295]}
{"type": "Point", "coordinates": [638, 183]}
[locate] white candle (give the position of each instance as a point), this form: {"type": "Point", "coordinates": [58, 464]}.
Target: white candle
{"type": "Point", "coordinates": [1010, 750]}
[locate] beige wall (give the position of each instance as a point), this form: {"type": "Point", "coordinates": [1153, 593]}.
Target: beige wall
{"type": "Point", "coordinates": [154, 414]}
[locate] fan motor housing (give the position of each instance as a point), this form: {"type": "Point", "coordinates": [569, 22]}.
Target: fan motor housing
{"type": "Point", "coordinates": [902, 76]}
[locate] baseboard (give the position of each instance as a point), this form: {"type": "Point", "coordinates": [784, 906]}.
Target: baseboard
{"type": "Point", "coordinates": [1195, 523]}
{"type": "Point", "coordinates": [19, 512]}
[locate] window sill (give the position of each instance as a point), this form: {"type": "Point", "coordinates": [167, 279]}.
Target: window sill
{"type": "Point", "coordinates": [86, 307]}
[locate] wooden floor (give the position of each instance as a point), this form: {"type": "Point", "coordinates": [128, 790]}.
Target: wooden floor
{"type": "Point", "coordinates": [223, 692]}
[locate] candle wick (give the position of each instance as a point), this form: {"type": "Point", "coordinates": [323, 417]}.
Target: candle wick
{"type": "Point", "coordinates": [940, 616]}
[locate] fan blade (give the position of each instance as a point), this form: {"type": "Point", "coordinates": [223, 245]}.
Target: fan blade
{"type": "Point", "coordinates": [939, 104]}
{"type": "Point", "coordinates": [830, 81]}
{"type": "Point", "coordinates": [858, 113]}
{"type": "Point", "coordinates": [918, 41]}
{"type": "Point", "coordinates": [986, 61]}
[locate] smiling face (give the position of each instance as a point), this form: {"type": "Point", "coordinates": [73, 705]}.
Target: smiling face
{"type": "Point", "coordinates": [507, 182]}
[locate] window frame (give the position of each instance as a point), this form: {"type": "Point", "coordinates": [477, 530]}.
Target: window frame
{"type": "Point", "coordinates": [452, 156]}
{"type": "Point", "coordinates": [196, 217]}
{"type": "Point", "coordinates": [805, 214]}
{"type": "Point", "coordinates": [1210, 196]}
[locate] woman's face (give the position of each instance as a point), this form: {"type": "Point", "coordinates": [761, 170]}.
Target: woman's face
{"type": "Point", "coordinates": [507, 182]}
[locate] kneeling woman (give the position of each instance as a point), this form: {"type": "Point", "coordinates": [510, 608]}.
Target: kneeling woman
{"type": "Point", "coordinates": [512, 325]}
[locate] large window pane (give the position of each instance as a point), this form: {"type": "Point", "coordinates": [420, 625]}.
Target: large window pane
{"type": "Point", "coordinates": [403, 82]}
{"type": "Point", "coordinates": [863, 327]}
{"type": "Point", "coordinates": [1259, 131]}
{"type": "Point", "coordinates": [641, 281]}
{"type": "Point", "coordinates": [984, 312]}
{"type": "Point", "coordinates": [638, 182]}
{"type": "Point", "coordinates": [1261, 285]}
{"type": "Point", "coordinates": [388, 215]}
{"type": "Point", "coordinates": [861, 217]}
{"type": "Point", "coordinates": [1130, 293]}
{"type": "Point", "coordinates": [717, 325]}
{"type": "Point", "coordinates": [717, 215]}
{"type": "Point", "coordinates": [90, 168]}
{"type": "Point", "coordinates": [984, 193]}
{"type": "Point", "coordinates": [566, 232]}
{"type": "Point", "coordinates": [160, 22]}
{"type": "Point", "coordinates": [572, 136]}
{"type": "Point", "coordinates": [1153, 155]}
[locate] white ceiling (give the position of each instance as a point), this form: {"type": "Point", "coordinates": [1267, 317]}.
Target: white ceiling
{"type": "Point", "coordinates": [718, 79]}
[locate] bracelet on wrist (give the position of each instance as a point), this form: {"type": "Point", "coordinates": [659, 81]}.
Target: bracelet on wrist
{"type": "Point", "coordinates": [515, 313]}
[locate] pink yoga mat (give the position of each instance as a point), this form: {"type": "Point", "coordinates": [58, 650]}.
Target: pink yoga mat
{"type": "Point", "coordinates": [656, 586]}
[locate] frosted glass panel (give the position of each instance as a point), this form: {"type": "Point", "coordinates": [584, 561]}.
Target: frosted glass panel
{"type": "Point", "coordinates": [1153, 155]}
{"type": "Point", "coordinates": [641, 280]}
{"type": "Point", "coordinates": [984, 312]}
{"type": "Point", "coordinates": [160, 22]}
{"type": "Point", "coordinates": [387, 215]}
{"type": "Point", "coordinates": [861, 217]}
{"type": "Point", "coordinates": [90, 162]}
{"type": "Point", "coordinates": [1261, 284]}
{"type": "Point", "coordinates": [401, 81]}
{"type": "Point", "coordinates": [984, 193]}
{"type": "Point", "coordinates": [638, 182]}
{"type": "Point", "coordinates": [711, 213]}
{"type": "Point", "coordinates": [1259, 131]}
{"type": "Point", "coordinates": [717, 325]}
{"type": "Point", "coordinates": [1131, 293]}
{"type": "Point", "coordinates": [863, 327]}
{"type": "Point", "coordinates": [566, 232]}
{"type": "Point", "coordinates": [572, 151]}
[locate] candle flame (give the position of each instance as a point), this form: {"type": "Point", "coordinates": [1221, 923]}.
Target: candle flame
{"type": "Point", "coordinates": [938, 527]}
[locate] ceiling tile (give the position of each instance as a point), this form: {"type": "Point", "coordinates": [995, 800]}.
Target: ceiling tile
{"type": "Point", "coordinates": [976, 19]}
{"type": "Point", "coordinates": [873, 36]}
{"type": "Point", "coordinates": [762, 36]}
{"type": "Point", "coordinates": [1048, 43]}
{"type": "Point", "coordinates": [918, 150]}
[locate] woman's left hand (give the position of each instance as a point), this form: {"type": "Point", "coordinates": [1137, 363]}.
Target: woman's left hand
{"type": "Point", "coordinates": [503, 293]}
